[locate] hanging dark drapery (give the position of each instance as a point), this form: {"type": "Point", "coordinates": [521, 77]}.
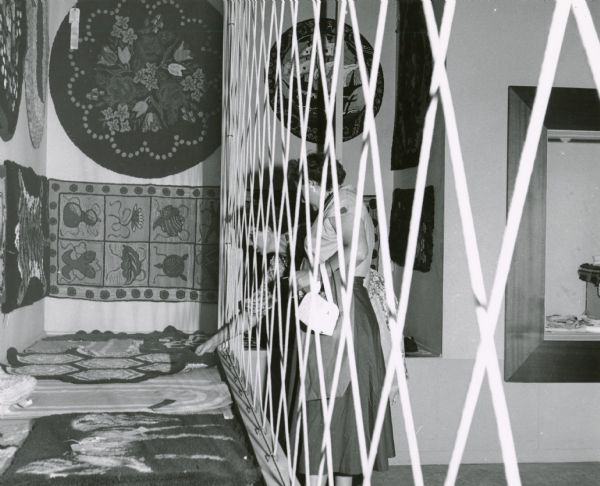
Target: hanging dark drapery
{"type": "Point", "coordinates": [413, 76]}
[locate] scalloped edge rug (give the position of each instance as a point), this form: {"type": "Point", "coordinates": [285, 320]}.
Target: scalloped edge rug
{"type": "Point", "coordinates": [106, 357]}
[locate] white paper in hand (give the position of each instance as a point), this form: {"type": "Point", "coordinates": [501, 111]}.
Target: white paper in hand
{"type": "Point", "coordinates": [318, 314]}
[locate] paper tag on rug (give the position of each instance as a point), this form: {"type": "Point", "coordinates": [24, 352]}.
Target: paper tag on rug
{"type": "Point", "coordinates": [74, 21]}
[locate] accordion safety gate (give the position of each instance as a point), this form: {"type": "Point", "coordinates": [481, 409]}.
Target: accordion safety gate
{"type": "Point", "coordinates": [273, 84]}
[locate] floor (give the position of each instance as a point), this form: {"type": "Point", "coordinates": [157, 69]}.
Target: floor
{"type": "Point", "coordinates": [554, 474]}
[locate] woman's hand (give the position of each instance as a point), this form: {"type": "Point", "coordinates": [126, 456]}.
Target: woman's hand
{"type": "Point", "coordinates": [266, 241]}
{"type": "Point", "coordinates": [208, 346]}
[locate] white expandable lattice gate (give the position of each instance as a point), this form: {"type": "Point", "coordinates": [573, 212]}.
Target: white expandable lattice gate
{"type": "Point", "coordinates": [257, 140]}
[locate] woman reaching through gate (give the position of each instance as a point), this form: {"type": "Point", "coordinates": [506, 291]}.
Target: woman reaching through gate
{"type": "Point", "coordinates": [367, 350]}
{"type": "Point", "coordinates": [275, 252]}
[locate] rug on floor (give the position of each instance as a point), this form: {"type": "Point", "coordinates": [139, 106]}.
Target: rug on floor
{"type": "Point", "coordinates": [106, 357]}
{"type": "Point", "coordinates": [12, 434]}
{"type": "Point", "coordinates": [196, 391]}
{"type": "Point", "coordinates": [137, 448]}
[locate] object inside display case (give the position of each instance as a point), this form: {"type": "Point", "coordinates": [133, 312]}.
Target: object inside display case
{"type": "Point", "coordinates": [552, 302]}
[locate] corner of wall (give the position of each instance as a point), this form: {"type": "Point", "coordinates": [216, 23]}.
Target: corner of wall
{"type": "Point", "coordinates": [25, 325]}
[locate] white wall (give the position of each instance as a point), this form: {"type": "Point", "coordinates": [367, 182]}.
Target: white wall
{"type": "Point", "coordinates": [22, 326]}
{"type": "Point", "coordinates": [67, 162]}
{"type": "Point", "coordinates": [494, 44]}
{"type": "Point", "coordinates": [572, 235]}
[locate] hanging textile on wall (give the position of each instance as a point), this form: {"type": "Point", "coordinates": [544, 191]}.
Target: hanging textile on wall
{"type": "Point", "coordinates": [26, 250]}
{"type": "Point", "coordinates": [354, 103]}
{"type": "Point", "coordinates": [141, 95]}
{"type": "Point", "coordinates": [134, 242]}
{"type": "Point", "coordinates": [2, 231]}
{"type": "Point", "coordinates": [36, 68]}
{"type": "Point", "coordinates": [399, 227]}
{"type": "Point", "coordinates": [414, 70]}
{"type": "Point", "coordinates": [13, 43]}
{"type": "Point", "coordinates": [371, 205]}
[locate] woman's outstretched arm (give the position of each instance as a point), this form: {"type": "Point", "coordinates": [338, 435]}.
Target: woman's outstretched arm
{"type": "Point", "coordinates": [233, 328]}
{"type": "Point", "coordinates": [261, 300]}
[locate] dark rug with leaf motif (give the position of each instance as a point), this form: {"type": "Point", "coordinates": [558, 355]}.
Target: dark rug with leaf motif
{"type": "Point", "coordinates": [133, 449]}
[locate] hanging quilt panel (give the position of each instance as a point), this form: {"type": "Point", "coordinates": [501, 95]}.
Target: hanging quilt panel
{"type": "Point", "coordinates": [26, 249]}
{"type": "Point", "coordinates": [36, 68]}
{"type": "Point", "coordinates": [141, 94]}
{"type": "Point", "coordinates": [13, 44]}
{"type": "Point", "coordinates": [112, 242]}
{"type": "Point", "coordinates": [354, 103]}
{"type": "Point", "coordinates": [400, 224]}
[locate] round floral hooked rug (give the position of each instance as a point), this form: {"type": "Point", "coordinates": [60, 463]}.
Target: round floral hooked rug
{"type": "Point", "coordinates": [141, 94]}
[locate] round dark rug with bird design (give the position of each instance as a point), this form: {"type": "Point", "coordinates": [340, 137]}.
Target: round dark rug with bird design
{"type": "Point", "coordinates": [353, 99]}
{"type": "Point", "coordinates": [141, 94]}
{"type": "Point", "coordinates": [13, 45]}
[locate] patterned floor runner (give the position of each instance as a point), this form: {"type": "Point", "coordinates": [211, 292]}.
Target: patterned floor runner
{"type": "Point", "coordinates": [133, 449]}
{"type": "Point", "coordinates": [106, 357]}
{"type": "Point", "coordinates": [193, 392]}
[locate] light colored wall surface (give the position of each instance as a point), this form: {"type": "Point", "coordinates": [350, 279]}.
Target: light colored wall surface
{"type": "Point", "coordinates": [494, 44]}
{"type": "Point", "coordinates": [22, 326]}
{"type": "Point", "coordinates": [572, 234]}
{"type": "Point", "coordinates": [424, 319]}
{"type": "Point", "coordinates": [67, 162]}
{"type": "Point", "coordinates": [424, 316]}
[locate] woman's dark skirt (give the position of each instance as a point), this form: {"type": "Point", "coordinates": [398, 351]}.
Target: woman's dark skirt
{"type": "Point", "coordinates": [370, 367]}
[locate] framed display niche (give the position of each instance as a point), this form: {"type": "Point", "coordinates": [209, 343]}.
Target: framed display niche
{"type": "Point", "coordinates": [554, 232]}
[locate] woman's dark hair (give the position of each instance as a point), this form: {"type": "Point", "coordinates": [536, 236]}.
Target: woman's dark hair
{"type": "Point", "coordinates": [315, 162]}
